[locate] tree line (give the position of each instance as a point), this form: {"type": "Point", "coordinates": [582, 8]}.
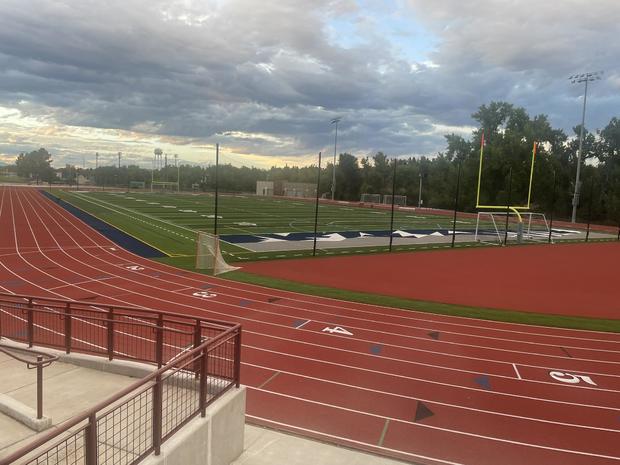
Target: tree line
{"type": "Point", "coordinates": [509, 134]}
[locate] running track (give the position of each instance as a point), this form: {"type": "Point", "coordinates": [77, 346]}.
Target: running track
{"type": "Point", "coordinates": [487, 384]}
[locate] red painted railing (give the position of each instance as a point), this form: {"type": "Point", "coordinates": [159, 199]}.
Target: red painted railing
{"type": "Point", "coordinates": [197, 361]}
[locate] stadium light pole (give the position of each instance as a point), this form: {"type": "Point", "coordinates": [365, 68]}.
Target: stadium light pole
{"type": "Point", "coordinates": [577, 79]}
{"type": "Point", "coordinates": [420, 192]}
{"type": "Point", "coordinates": [176, 162]}
{"type": "Point", "coordinates": [335, 121]}
{"type": "Point", "coordinates": [119, 160]}
{"type": "Point", "coordinates": [316, 207]}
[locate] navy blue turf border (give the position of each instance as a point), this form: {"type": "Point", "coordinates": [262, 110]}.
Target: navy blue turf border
{"type": "Point", "coordinates": [117, 236]}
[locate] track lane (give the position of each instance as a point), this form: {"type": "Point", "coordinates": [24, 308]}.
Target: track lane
{"type": "Point", "coordinates": [106, 252]}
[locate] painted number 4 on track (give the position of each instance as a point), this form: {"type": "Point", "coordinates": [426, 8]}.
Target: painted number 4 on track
{"type": "Point", "coordinates": [337, 330]}
{"type": "Point", "coordinates": [570, 378]}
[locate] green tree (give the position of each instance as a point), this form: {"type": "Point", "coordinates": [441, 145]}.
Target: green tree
{"type": "Point", "coordinates": [35, 165]}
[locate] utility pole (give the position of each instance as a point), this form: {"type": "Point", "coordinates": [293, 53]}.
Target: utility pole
{"type": "Point", "coordinates": [96, 160]}
{"type": "Point", "coordinates": [119, 160]}
{"type": "Point", "coordinates": [335, 121]}
{"type": "Point", "coordinates": [420, 192]}
{"type": "Point", "coordinates": [579, 78]}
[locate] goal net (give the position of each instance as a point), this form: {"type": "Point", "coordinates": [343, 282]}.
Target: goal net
{"type": "Point", "coordinates": [371, 198]}
{"type": "Point", "coordinates": [164, 187]}
{"type": "Point", "coordinates": [400, 200]}
{"type": "Point", "coordinates": [209, 255]}
{"type": "Point", "coordinates": [491, 227]}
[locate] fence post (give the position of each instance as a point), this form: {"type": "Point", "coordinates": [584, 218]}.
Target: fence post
{"type": "Point", "coordinates": [197, 342]}
{"type": "Point", "coordinates": [238, 357]}
{"type": "Point", "coordinates": [39, 387]}
{"type": "Point", "coordinates": [68, 328]}
{"type": "Point", "coordinates": [30, 322]}
{"type": "Point", "coordinates": [157, 413]}
{"type": "Point", "coordinates": [203, 382]}
{"type": "Point", "coordinates": [110, 333]}
{"type": "Point", "coordinates": [90, 440]}
{"type": "Point", "coordinates": [159, 341]}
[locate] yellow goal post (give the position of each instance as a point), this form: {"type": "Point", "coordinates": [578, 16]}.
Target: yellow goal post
{"type": "Point", "coordinates": [514, 208]}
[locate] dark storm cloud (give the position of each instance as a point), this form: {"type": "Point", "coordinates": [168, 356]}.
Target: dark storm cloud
{"type": "Point", "coordinates": [267, 78]}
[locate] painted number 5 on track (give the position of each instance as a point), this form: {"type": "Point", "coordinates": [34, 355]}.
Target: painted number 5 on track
{"type": "Point", "coordinates": [570, 378]}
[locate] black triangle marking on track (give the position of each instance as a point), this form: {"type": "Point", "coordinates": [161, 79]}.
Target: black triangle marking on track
{"type": "Point", "coordinates": [273, 299]}
{"type": "Point", "coordinates": [434, 335]}
{"type": "Point", "coordinates": [422, 412]}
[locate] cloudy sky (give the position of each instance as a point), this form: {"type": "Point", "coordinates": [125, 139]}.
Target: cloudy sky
{"type": "Point", "coordinates": [264, 78]}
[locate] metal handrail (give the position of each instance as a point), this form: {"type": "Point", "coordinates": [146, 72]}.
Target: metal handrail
{"type": "Point", "coordinates": [195, 360]}
{"type": "Point", "coordinates": [174, 316]}
{"type": "Point", "coordinates": [106, 318]}
{"type": "Point", "coordinates": [43, 360]}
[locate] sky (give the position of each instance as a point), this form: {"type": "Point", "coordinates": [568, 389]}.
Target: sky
{"type": "Point", "coordinates": [265, 78]}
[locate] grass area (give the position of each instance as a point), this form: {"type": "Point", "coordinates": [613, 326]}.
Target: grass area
{"type": "Point", "coordinates": [511, 316]}
{"type": "Point", "coordinates": [12, 180]}
{"type": "Point", "coordinates": [170, 222]}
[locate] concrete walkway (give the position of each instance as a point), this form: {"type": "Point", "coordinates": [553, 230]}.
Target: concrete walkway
{"type": "Point", "coordinates": [268, 447]}
{"type": "Point", "coordinates": [67, 391]}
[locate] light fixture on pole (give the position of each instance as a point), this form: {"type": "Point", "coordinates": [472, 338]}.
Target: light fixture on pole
{"type": "Point", "coordinates": [334, 121]}
{"type": "Point", "coordinates": [576, 79]}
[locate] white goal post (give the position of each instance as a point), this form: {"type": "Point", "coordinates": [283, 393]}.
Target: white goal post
{"type": "Point", "coordinates": [491, 227]}
{"type": "Point", "coordinates": [371, 198]}
{"type": "Point", "coordinates": [209, 255]}
{"type": "Point", "coordinates": [164, 186]}
{"type": "Point", "coordinates": [400, 200]}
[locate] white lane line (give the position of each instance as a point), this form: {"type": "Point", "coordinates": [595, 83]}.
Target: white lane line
{"type": "Point", "coordinates": [440, 428]}
{"type": "Point", "coordinates": [162, 300]}
{"type": "Point", "coordinates": [475, 326]}
{"type": "Point", "coordinates": [296, 341]}
{"type": "Point", "coordinates": [350, 441]}
{"type": "Point", "coordinates": [434, 321]}
{"type": "Point", "coordinates": [438, 383]}
{"type": "Point", "coordinates": [286, 326]}
{"type": "Point", "coordinates": [516, 371]}
{"type": "Point", "coordinates": [303, 324]}
{"type": "Point", "coordinates": [88, 281]}
{"type": "Point", "coordinates": [456, 406]}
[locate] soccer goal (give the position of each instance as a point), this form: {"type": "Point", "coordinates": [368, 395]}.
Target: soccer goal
{"type": "Point", "coordinates": [522, 226]}
{"type": "Point", "coordinates": [164, 187]}
{"type": "Point", "coordinates": [400, 200]}
{"type": "Point", "coordinates": [209, 255]}
{"type": "Point", "coordinates": [371, 198]}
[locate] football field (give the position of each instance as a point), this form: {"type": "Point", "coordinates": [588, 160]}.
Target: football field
{"type": "Point", "coordinates": [264, 227]}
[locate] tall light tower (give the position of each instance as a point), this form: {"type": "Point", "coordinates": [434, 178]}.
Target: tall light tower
{"type": "Point", "coordinates": [576, 79]}
{"type": "Point", "coordinates": [335, 121]}
{"type": "Point", "coordinates": [176, 162]}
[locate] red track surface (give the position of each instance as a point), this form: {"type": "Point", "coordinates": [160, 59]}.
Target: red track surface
{"type": "Point", "coordinates": [566, 279]}
{"type": "Point", "coordinates": [488, 384]}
